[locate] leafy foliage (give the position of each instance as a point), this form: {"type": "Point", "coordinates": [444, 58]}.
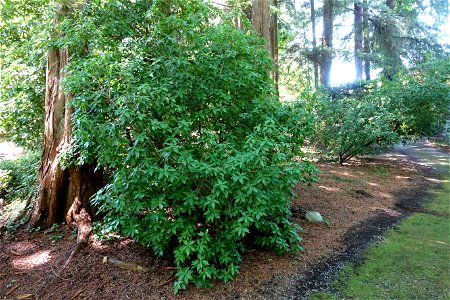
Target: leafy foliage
{"type": "Point", "coordinates": [353, 118]}
{"type": "Point", "coordinates": [424, 95]}
{"type": "Point", "coordinates": [18, 177]}
{"type": "Point", "coordinates": [181, 112]}
{"type": "Point", "coordinates": [23, 42]}
{"type": "Point", "coordinates": [349, 124]}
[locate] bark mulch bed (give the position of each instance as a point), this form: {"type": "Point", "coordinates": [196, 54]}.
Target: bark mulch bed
{"type": "Point", "coordinates": [361, 200]}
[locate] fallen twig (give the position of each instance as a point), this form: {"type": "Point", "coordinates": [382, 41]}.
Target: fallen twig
{"type": "Point", "coordinates": [124, 265]}
{"type": "Point", "coordinates": [25, 296]}
{"type": "Point", "coordinates": [168, 280]}
{"type": "Point", "coordinates": [79, 245]}
{"type": "Point", "coordinates": [12, 290]}
{"type": "Point", "coordinates": [76, 294]}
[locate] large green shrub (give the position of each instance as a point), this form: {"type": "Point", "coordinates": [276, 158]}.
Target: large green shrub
{"type": "Point", "coordinates": [179, 108]}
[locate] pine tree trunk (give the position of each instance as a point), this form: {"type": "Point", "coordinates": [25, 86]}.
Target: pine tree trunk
{"type": "Point", "coordinates": [393, 62]}
{"type": "Point", "coordinates": [63, 195]}
{"type": "Point", "coordinates": [366, 45]}
{"type": "Point", "coordinates": [358, 40]}
{"type": "Point", "coordinates": [314, 42]}
{"type": "Point", "coordinates": [327, 42]}
{"type": "Point", "coordinates": [267, 26]}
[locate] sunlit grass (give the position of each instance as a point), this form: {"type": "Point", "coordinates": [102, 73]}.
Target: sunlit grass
{"type": "Point", "coordinates": [442, 202]}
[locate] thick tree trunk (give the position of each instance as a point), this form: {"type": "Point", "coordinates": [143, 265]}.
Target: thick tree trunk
{"type": "Point", "coordinates": [314, 42]}
{"type": "Point", "coordinates": [366, 46]}
{"type": "Point", "coordinates": [327, 42]}
{"type": "Point", "coordinates": [63, 194]}
{"type": "Point", "coordinates": [261, 20]}
{"type": "Point", "coordinates": [267, 26]}
{"type": "Point", "coordinates": [358, 50]}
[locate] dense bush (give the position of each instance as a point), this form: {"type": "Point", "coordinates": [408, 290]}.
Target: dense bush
{"type": "Point", "coordinates": [423, 94]}
{"type": "Point", "coordinates": [180, 111]}
{"type": "Point", "coordinates": [357, 118]}
{"type": "Point", "coordinates": [353, 122]}
{"type": "Point", "coordinates": [18, 177]}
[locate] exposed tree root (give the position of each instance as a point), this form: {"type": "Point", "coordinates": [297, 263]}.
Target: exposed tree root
{"type": "Point", "coordinates": [83, 223]}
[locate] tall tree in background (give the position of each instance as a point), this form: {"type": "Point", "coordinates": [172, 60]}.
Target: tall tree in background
{"type": "Point", "coordinates": [358, 39]}
{"type": "Point", "coordinates": [266, 24]}
{"type": "Point", "coordinates": [327, 42]}
{"type": "Point", "coordinates": [386, 32]}
{"type": "Point", "coordinates": [314, 41]}
{"type": "Point", "coordinates": [261, 20]}
{"type": "Point", "coordinates": [63, 193]}
{"type": "Point", "coordinates": [366, 43]}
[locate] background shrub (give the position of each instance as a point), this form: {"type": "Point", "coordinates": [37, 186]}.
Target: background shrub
{"type": "Point", "coordinates": [357, 118]}
{"type": "Point", "coordinates": [423, 94]}
{"type": "Point", "coordinates": [18, 177]}
{"type": "Point", "coordinates": [23, 44]}
{"type": "Point", "coordinates": [351, 122]}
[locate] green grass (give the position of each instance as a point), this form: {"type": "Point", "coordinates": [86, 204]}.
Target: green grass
{"type": "Point", "coordinates": [413, 262]}
{"type": "Point", "coordinates": [441, 204]}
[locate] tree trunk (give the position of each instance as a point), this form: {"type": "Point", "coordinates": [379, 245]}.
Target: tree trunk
{"type": "Point", "coordinates": [390, 4]}
{"type": "Point", "coordinates": [327, 42]}
{"type": "Point", "coordinates": [393, 62]}
{"type": "Point", "coordinates": [314, 43]}
{"type": "Point", "coordinates": [267, 26]}
{"type": "Point", "coordinates": [63, 195]}
{"type": "Point", "coordinates": [274, 44]}
{"type": "Point", "coordinates": [261, 20]}
{"type": "Point", "coordinates": [366, 46]}
{"type": "Point", "coordinates": [358, 40]}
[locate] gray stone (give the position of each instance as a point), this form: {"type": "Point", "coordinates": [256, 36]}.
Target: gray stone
{"type": "Point", "coordinates": [313, 217]}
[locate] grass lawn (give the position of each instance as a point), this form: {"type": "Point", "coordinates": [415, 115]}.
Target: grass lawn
{"type": "Point", "coordinates": [413, 262]}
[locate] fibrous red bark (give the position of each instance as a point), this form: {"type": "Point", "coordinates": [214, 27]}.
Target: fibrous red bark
{"type": "Point", "coordinates": [314, 41]}
{"type": "Point", "coordinates": [261, 20]}
{"type": "Point", "coordinates": [63, 194]}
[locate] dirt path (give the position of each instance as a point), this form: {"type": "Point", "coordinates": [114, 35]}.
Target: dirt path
{"type": "Point", "coordinates": [428, 155]}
